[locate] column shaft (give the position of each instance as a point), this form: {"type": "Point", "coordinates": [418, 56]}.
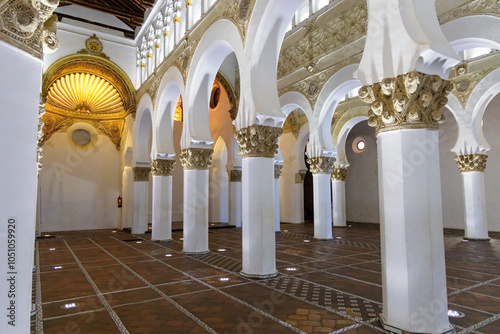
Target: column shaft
{"type": "Point", "coordinates": [162, 208]}
{"type": "Point", "coordinates": [338, 199]}
{"type": "Point", "coordinates": [322, 207]}
{"type": "Point", "coordinates": [476, 221]}
{"type": "Point", "coordinates": [235, 199]}
{"type": "Point", "coordinates": [195, 211]}
{"type": "Point", "coordinates": [141, 195]}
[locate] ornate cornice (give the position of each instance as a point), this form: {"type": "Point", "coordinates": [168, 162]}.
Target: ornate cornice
{"type": "Point", "coordinates": [235, 175]}
{"type": "Point", "coordinates": [196, 158]}
{"type": "Point", "coordinates": [300, 176]}
{"type": "Point", "coordinates": [475, 7]}
{"type": "Point", "coordinates": [258, 141]}
{"type": "Point", "coordinates": [40, 134]}
{"type": "Point", "coordinates": [239, 13]}
{"type": "Point", "coordinates": [277, 171]}
{"type": "Point", "coordinates": [320, 165]}
{"type": "Point", "coordinates": [141, 174]}
{"type": "Point", "coordinates": [339, 174]}
{"type": "Point", "coordinates": [409, 101]}
{"type": "Point", "coordinates": [162, 167]}
{"type": "Point", "coordinates": [22, 24]}
{"type": "Point", "coordinates": [471, 162]}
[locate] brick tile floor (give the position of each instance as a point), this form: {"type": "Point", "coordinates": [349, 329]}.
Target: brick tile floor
{"type": "Point", "coordinates": [323, 286]}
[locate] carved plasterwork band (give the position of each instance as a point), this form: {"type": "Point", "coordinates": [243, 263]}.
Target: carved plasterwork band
{"type": "Point", "coordinates": [339, 174]}
{"type": "Point", "coordinates": [196, 158]}
{"type": "Point", "coordinates": [162, 167]}
{"type": "Point", "coordinates": [141, 174]}
{"type": "Point", "coordinates": [277, 171]}
{"type": "Point", "coordinates": [40, 134]}
{"type": "Point", "coordinates": [22, 24]}
{"type": "Point", "coordinates": [471, 162]}
{"type": "Point", "coordinates": [300, 176]}
{"type": "Point", "coordinates": [321, 165]}
{"type": "Point", "coordinates": [235, 175]}
{"type": "Point", "coordinates": [409, 101]}
{"type": "Point", "coordinates": [258, 141]}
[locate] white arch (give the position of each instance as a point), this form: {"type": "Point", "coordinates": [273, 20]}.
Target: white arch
{"type": "Point", "coordinates": [266, 31]}
{"type": "Point", "coordinates": [217, 43]}
{"type": "Point", "coordinates": [341, 83]}
{"type": "Point", "coordinates": [302, 139]}
{"type": "Point", "coordinates": [236, 160]}
{"type": "Point", "coordinates": [142, 130]}
{"type": "Point", "coordinates": [171, 87]}
{"type": "Point", "coordinates": [472, 32]}
{"type": "Point", "coordinates": [295, 100]}
{"type": "Point", "coordinates": [341, 156]}
{"type": "Point", "coordinates": [219, 160]}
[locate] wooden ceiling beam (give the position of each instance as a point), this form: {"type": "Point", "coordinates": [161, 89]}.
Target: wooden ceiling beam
{"type": "Point", "coordinates": [129, 15]}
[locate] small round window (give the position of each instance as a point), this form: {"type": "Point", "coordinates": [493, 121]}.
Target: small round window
{"type": "Point", "coordinates": [81, 137]}
{"type": "Point", "coordinates": [215, 97]}
{"type": "Point", "coordinates": [358, 145]}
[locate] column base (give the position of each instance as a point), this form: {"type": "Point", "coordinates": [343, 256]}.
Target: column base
{"type": "Point", "coordinates": [161, 240]}
{"type": "Point", "coordinates": [257, 276]}
{"type": "Point", "coordinates": [277, 232]}
{"type": "Point", "coordinates": [396, 330]}
{"type": "Point", "coordinates": [323, 239]}
{"type": "Point", "coordinates": [477, 239]}
{"type": "Point", "coordinates": [195, 253]}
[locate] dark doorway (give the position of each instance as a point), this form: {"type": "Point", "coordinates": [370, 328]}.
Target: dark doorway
{"type": "Point", "coordinates": [308, 195]}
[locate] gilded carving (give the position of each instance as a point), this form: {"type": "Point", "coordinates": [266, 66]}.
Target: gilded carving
{"type": "Point", "coordinates": [239, 13]}
{"type": "Point", "coordinates": [93, 46]}
{"type": "Point", "coordinates": [464, 82]}
{"type": "Point", "coordinates": [339, 174]}
{"type": "Point", "coordinates": [235, 175]}
{"type": "Point", "coordinates": [258, 141]}
{"type": "Point", "coordinates": [277, 171]}
{"type": "Point", "coordinates": [50, 42]}
{"type": "Point", "coordinates": [112, 129]}
{"type": "Point", "coordinates": [232, 95]}
{"type": "Point", "coordinates": [162, 167]}
{"type": "Point", "coordinates": [471, 162]}
{"type": "Point", "coordinates": [22, 23]}
{"type": "Point", "coordinates": [196, 158]}
{"type": "Point", "coordinates": [409, 101]}
{"type": "Point", "coordinates": [141, 174]}
{"type": "Point", "coordinates": [300, 176]}
{"type": "Point", "coordinates": [40, 134]}
{"type": "Point", "coordinates": [320, 165]}
{"type": "Point", "coordinates": [475, 7]}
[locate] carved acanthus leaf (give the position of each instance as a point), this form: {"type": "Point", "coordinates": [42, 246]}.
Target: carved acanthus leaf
{"type": "Point", "coordinates": [475, 7]}
{"type": "Point", "coordinates": [141, 174]}
{"type": "Point", "coordinates": [196, 158]}
{"type": "Point", "coordinates": [320, 165]}
{"type": "Point", "coordinates": [471, 162]}
{"type": "Point", "coordinates": [277, 171]}
{"type": "Point", "coordinates": [339, 174]}
{"type": "Point", "coordinates": [235, 175]}
{"type": "Point", "coordinates": [162, 167]}
{"type": "Point", "coordinates": [258, 141]}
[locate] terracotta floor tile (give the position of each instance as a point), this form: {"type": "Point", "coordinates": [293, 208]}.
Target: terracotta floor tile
{"type": "Point", "coordinates": [91, 323]}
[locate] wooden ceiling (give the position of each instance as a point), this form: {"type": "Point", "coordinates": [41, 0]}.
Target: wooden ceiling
{"type": "Point", "coordinates": [129, 11]}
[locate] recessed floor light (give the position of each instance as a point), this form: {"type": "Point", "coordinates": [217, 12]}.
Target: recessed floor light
{"type": "Point", "coordinates": [70, 305]}
{"type": "Point", "coordinates": [224, 279]}
{"type": "Point", "coordinates": [285, 230]}
{"type": "Point", "coordinates": [181, 238]}
{"type": "Point", "coordinates": [52, 249]}
{"type": "Point", "coordinates": [307, 240]}
{"type": "Point", "coordinates": [338, 237]}
{"type": "Point", "coordinates": [58, 267]}
{"type": "Point", "coordinates": [113, 231]}
{"type": "Point", "coordinates": [465, 240]}
{"type": "Point", "coordinates": [455, 314]}
{"type": "Point", "coordinates": [46, 235]}
{"type": "Point", "coordinates": [168, 255]}
{"type": "Point", "coordinates": [291, 269]}
{"type": "Point", "coordinates": [221, 250]}
{"type": "Point", "coordinates": [138, 242]}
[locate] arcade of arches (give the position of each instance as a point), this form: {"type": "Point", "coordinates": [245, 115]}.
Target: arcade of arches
{"type": "Point", "coordinates": [250, 166]}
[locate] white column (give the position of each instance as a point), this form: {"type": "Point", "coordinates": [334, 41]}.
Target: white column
{"type": "Point", "coordinates": [413, 267]}
{"type": "Point", "coordinates": [196, 162]}
{"type": "Point", "coordinates": [20, 84]}
{"type": "Point", "coordinates": [277, 174]}
{"type": "Point", "coordinates": [476, 221]}
{"type": "Point", "coordinates": [321, 168]}
{"type": "Point", "coordinates": [258, 226]}
{"type": "Point", "coordinates": [259, 253]}
{"type": "Point", "coordinates": [141, 203]}
{"type": "Point", "coordinates": [235, 198]}
{"type": "Point", "coordinates": [127, 197]}
{"type": "Point", "coordinates": [299, 197]}
{"type": "Point", "coordinates": [338, 197]}
{"type": "Point", "coordinates": [219, 196]}
{"type": "Point", "coordinates": [162, 199]}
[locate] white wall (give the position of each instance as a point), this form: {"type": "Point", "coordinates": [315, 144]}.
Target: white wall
{"type": "Point", "coordinates": [79, 188]}
{"type": "Point", "coordinates": [177, 177]}
{"type": "Point", "coordinates": [361, 188]}
{"type": "Point", "coordinates": [288, 145]}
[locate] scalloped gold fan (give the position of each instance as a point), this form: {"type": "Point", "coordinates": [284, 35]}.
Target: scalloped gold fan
{"type": "Point", "coordinates": [82, 92]}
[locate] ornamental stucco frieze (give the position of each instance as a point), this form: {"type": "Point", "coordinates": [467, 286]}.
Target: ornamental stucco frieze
{"type": "Point", "coordinates": [196, 158]}
{"type": "Point", "coordinates": [471, 162]}
{"type": "Point", "coordinates": [320, 165]}
{"type": "Point", "coordinates": [409, 101]}
{"type": "Point", "coordinates": [141, 174]}
{"type": "Point", "coordinates": [258, 141]}
{"type": "Point", "coordinates": [339, 174]}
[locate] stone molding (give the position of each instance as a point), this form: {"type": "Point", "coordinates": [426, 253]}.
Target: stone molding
{"type": "Point", "coordinates": [22, 25]}
{"type": "Point", "coordinates": [141, 174]}
{"type": "Point", "coordinates": [409, 101]}
{"type": "Point", "coordinates": [471, 162]}
{"type": "Point", "coordinates": [196, 158]}
{"type": "Point", "coordinates": [321, 165]}
{"type": "Point", "coordinates": [235, 175]}
{"type": "Point", "coordinates": [258, 141]}
{"type": "Point", "coordinates": [277, 171]}
{"type": "Point", "coordinates": [300, 176]}
{"type": "Point", "coordinates": [339, 174]}
{"type": "Point", "coordinates": [162, 167]}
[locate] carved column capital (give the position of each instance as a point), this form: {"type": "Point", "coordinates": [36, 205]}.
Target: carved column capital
{"type": "Point", "coordinates": [339, 174]}
{"type": "Point", "coordinates": [471, 162]}
{"type": "Point", "coordinates": [141, 174]}
{"type": "Point", "coordinates": [277, 171]}
{"type": "Point", "coordinates": [258, 141]}
{"type": "Point", "coordinates": [300, 176]}
{"type": "Point", "coordinates": [321, 165]}
{"type": "Point", "coordinates": [162, 167]}
{"type": "Point", "coordinates": [409, 101]}
{"type": "Point", "coordinates": [196, 158]}
{"type": "Point", "coordinates": [235, 175]}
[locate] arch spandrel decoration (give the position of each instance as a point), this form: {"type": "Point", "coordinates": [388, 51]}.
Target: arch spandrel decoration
{"type": "Point", "coordinates": [63, 83]}
{"type": "Point", "coordinates": [232, 94]}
